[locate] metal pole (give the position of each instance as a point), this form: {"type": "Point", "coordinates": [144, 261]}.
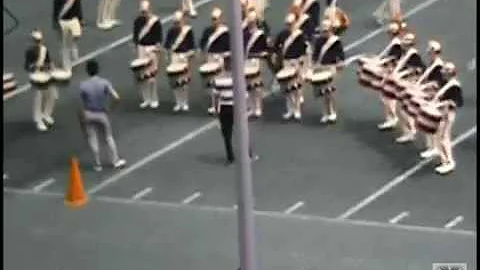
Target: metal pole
{"type": "Point", "coordinates": [245, 216]}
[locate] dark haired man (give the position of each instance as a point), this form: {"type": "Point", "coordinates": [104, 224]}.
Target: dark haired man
{"type": "Point", "coordinates": [95, 93]}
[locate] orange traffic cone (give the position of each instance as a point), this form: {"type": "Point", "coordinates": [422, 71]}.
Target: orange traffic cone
{"type": "Point", "coordinates": [76, 196]}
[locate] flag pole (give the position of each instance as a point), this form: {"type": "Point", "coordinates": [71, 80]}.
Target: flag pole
{"type": "Point", "coordinates": [245, 215]}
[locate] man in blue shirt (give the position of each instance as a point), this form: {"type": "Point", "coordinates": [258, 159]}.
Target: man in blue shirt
{"type": "Point", "coordinates": [95, 93]}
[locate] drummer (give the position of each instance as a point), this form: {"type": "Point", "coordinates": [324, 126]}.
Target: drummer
{"type": "Point", "coordinates": [393, 51]}
{"type": "Point", "coordinates": [37, 59]}
{"type": "Point", "coordinates": [180, 43]}
{"type": "Point", "coordinates": [215, 44]}
{"type": "Point", "coordinates": [432, 78]}
{"type": "Point", "coordinates": [290, 47]}
{"type": "Point", "coordinates": [329, 55]}
{"type": "Point", "coordinates": [449, 99]}
{"type": "Point", "coordinates": [410, 64]}
{"type": "Point", "coordinates": [255, 42]}
{"type": "Point", "coordinates": [147, 37]}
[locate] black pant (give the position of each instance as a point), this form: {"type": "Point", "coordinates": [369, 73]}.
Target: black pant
{"type": "Point", "coordinates": [226, 124]}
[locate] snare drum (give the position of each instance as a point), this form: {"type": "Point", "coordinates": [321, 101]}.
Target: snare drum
{"type": "Point", "coordinates": [40, 80]}
{"type": "Point", "coordinates": [9, 83]}
{"type": "Point", "coordinates": [252, 68]}
{"type": "Point", "coordinates": [287, 77]}
{"type": "Point", "coordinates": [368, 58]}
{"type": "Point", "coordinates": [61, 77]}
{"type": "Point", "coordinates": [177, 73]}
{"type": "Point", "coordinates": [139, 66]}
{"type": "Point", "coordinates": [321, 79]}
{"type": "Point", "coordinates": [252, 74]}
{"type": "Point", "coordinates": [209, 70]}
{"type": "Point", "coordinates": [371, 75]}
{"type": "Point", "coordinates": [429, 118]}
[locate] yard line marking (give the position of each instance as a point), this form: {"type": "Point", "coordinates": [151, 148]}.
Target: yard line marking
{"type": "Point", "coordinates": [142, 193]}
{"type": "Point", "coordinates": [192, 198]}
{"type": "Point", "coordinates": [31, 192]}
{"type": "Point", "coordinates": [472, 65]}
{"type": "Point", "coordinates": [43, 185]}
{"type": "Point", "coordinates": [399, 217]}
{"type": "Point", "coordinates": [268, 214]}
{"type": "Point", "coordinates": [98, 52]}
{"type": "Point", "coordinates": [454, 222]}
{"type": "Point", "coordinates": [401, 178]}
{"type": "Point", "coordinates": [294, 207]}
{"type": "Point", "coordinates": [191, 135]}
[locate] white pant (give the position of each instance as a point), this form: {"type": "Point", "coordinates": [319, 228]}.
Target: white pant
{"type": "Point", "coordinates": [43, 103]}
{"type": "Point", "coordinates": [71, 32]}
{"type": "Point", "coordinates": [389, 9]}
{"type": "Point", "coordinates": [107, 10]}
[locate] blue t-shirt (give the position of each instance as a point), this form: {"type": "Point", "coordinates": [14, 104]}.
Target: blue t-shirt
{"type": "Point", "coordinates": [95, 93]}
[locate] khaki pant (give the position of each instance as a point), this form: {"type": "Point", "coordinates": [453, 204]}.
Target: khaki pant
{"type": "Point", "coordinates": [93, 122]}
{"type": "Point", "coordinates": [43, 103]}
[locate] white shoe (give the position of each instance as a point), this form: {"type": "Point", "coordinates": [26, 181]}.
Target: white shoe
{"type": "Point", "coordinates": [119, 163]}
{"type": "Point", "coordinates": [297, 115]}
{"type": "Point", "coordinates": [193, 13]}
{"type": "Point", "coordinates": [429, 153]}
{"type": "Point", "coordinates": [97, 168]}
{"type": "Point", "coordinates": [115, 22]}
{"type": "Point", "coordinates": [324, 119]}
{"type": "Point", "coordinates": [41, 126]}
{"type": "Point", "coordinates": [287, 115]}
{"type": "Point", "coordinates": [185, 108]}
{"type": "Point", "coordinates": [405, 138]}
{"type": "Point", "coordinates": [105, 25]}
{"type": "Point", "coordinates": [177, 108]}
{"type": "Point", "coordinates": [332, 117]}
{"type": "Point", "coordinates": [388, 124]}
{"type": "Point", "coordinates": [49, 120]}
{"type": "Point", "coordinates": [258, 113]}
{"type": "Point", "coordinates": [154, 105]}
{"type": "Point", "coordinates": [211, 110]}
{"type": "Point", "coordinates": [445, 168]}
{"type": "Point", "coordinates": [144, 104]}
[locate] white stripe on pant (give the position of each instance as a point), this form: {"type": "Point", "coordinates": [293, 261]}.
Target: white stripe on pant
{"type": "Point", "coordinates": [93, 121]}
{"type": "Point", "coordinates": [43, 103]}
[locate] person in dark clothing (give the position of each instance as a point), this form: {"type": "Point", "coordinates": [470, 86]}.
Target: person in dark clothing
{"type": "Point", "coordinates": [224, 99]}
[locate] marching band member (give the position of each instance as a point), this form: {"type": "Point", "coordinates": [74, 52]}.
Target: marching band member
{"type": "Point", "coordinates": [37, 59]}
{"type": "Point", "coordinates": [394, 50]}
{"type": "Point", "coordinates": [290, 47]}
{"type": "Point", "coordinates": [338, 17]}
{"type": "Point", "coordinates": [147, 37]}
{"type": "Point", "coordinates": [449, 98]}
{"type": "Point", "coordinates": [180, 42]}
{"type": "Point", "coordinates": [432, 76]}
{"type": "Point", "coordinates": [224, 105]}
{"type": "Point", "coordinates": [255, 48]}
{"type": "Point", "coordinates": [107, 13]}
{"type": "Point", "coordinates": [329, 54]}
{"type": "Point", "coordinates": [188, 6]}
{"type": "Point", "coordinates": [67, 17]}
{"type": "Point", "coordinates": [410, 64]}
{"type": "Point", "coordinates": [215, 43]}
{"type": "Point", "coordinates": [308, 15]}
